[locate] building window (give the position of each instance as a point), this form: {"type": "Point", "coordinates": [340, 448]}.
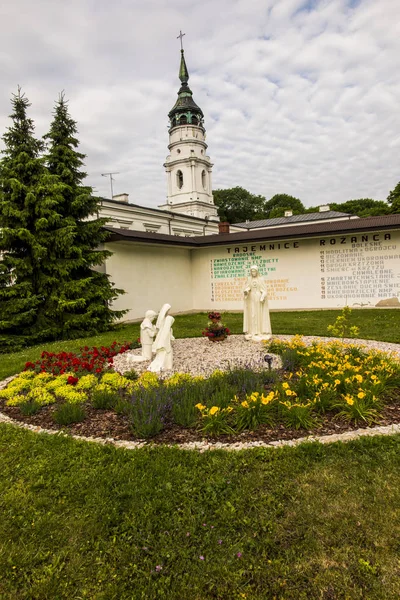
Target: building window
{"type": "Point", "coordinates": [179, 179]}
{"type": "Point", "coordinates": [194, 121]}
{"type": "Point", "coordinates": [183, 120]}
{"type": "Point", "coordinates": [204, 179]}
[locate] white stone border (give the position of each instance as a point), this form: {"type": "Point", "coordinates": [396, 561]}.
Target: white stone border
{"type": "Point", "coordinates": [204, 445]}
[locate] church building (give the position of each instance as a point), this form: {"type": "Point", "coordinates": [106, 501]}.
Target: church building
{"type": "Point", "coordinates": [181, 254]}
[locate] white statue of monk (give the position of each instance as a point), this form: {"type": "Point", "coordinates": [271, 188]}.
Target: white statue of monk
{"type": "Point", "coordinates": [163, 347]}
{"type": "Point", "coordinates": [256, 321]}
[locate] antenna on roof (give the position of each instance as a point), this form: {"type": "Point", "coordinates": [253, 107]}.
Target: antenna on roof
{"type": "Point", "coordinates": [110, 175]}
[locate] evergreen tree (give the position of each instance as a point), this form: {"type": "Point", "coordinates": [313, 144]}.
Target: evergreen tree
{"type": "Point", "coordinates": [79, 294]}
{"type": "Point", "coordinates": [28, 197]}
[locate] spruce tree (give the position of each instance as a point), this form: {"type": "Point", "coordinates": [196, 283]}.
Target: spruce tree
{"type": "Point", "coordinates": [80, 294]}
{"type": "Point", "coordinates": [28, 197]}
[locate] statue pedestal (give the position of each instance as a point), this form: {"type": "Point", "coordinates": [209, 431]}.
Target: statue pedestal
{"type": "Point", "coordinates": [260, 337]}
{"type": "Point", "coordinates": [137, 359]}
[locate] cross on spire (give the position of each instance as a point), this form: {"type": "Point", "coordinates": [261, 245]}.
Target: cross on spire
{"type": "Point", "coordinates": [181, 38]}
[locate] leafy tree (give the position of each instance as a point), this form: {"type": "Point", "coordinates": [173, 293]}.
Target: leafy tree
{"type": "Point", "coordinates": [79, 294]}
{"type": "Point", "coordinates": [28, 196]}
{"type": "Point", "coordinates": [278, 204]}
{"type": "Point", "coordinates": [394, 199]}
{"type": "Point", "coordinates": [237, 205]}
{"type": "Point", "coordinates": [362, 207]}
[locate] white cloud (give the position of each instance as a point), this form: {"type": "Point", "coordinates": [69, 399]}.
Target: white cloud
{"type": "Point", "coordinates": [299, 96]}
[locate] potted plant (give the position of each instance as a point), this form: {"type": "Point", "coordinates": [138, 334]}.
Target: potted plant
{"type": "Point", "coordinates": [216, 330]}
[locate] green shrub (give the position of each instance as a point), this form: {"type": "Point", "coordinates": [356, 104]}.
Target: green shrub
{"type": "Point", "coordinates": [31, 407]}
{"type": "Point", "coordinates": [68, 413]}
{"type": "Point", "coordinates": [341, 327]}
{"type": "Point", "coordinates": [183, 403]}
{"type": "Point", "coordinates": [290, 359]}
{"type": "Point", "coordinates": [131, 375]}
{"type": "Point", "coordinates": [104, 399]}
{"type": "Point", "coordinates": [147, 410]}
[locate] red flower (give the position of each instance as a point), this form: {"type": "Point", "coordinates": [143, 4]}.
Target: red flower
{"type": "Point", "coordinates": [72, 380]}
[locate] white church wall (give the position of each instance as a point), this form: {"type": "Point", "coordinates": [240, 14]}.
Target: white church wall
{"type": "Point", "coordinates": [324, 272]}
{"type": "Point", "coordinates": [151, 276]}
{"type": "Point", "coordinates": [129, 216]}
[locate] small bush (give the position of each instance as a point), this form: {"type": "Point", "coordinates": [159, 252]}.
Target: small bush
{"type": "Point", "coordinates": [67, 413]}
{"type": "Point", "coordinates": [257, 409]}
{"type": "Point", "coordinates": [104, 399]}
{"type": "Point", "coordinates": [147, 410]}
{"type": "Point", "coordinates": [290, 359]}
{"type": "Point", "coordinates": [215, 420]}
{"type": "Point", "coordinates": [299, 416]}
{"type": "Point", "coordinates": [131, 375]}
{"type": "Point", "coordinates": [30, 408]}
{"type": "Point", "coordinates": [183, 403]}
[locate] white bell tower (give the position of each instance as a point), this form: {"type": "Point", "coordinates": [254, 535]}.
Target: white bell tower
{"type": "Point", "coordinates": [188, 167]}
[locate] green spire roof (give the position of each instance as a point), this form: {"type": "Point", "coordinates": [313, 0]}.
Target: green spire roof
{"type": "Point", "coordinates": [185, 109]}
{"type": "Point", "coordinates": [183, 72]}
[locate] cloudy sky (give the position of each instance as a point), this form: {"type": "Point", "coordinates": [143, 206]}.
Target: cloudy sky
{"type": "Point", "coordinates": [299, 97]}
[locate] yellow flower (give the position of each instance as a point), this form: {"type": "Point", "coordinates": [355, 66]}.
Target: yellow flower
{"type": "Point", "coordinates": [349, 400]}
{"type": "Point", "coordinates": [16, 400]}
{"type": "Point", "coordinates": [361, 395]}
{"type": "Point", "coordinates": [358, 378]}
{"type": "Point", "coordinates": [288, 392]}
{"type": "Point", "coordinates": [200, 406]}
{"type": "Point", "coordinates": [245, 404]}
{"type": "Point", "coordinates": [285, 385]}
{"type": "Point", "coordinates": [337, 381]}
{"type": "Point", "coordinates": [214, 410]}
{"type": "Point", "coordinates": [267, 399]}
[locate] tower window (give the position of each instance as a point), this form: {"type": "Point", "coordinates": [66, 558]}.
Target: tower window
{"type": "Point", "coordinates": [179, 179]}
{"type": "Point", "coordinates": [183, 120]}
{"type": "Point", "coordinates": [204, 179]}
{"type": "Point", "coordinates": [195, 121]}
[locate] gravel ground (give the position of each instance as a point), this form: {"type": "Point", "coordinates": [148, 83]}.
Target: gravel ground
{"type": "Point", "coordinates": [199, 356]}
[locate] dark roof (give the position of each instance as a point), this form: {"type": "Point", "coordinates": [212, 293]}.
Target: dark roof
{"type": "Point", "coordinates": [168, 213]}
{"type": "Point", "coordinates": [133, 235]}
{"type": "Point", "coordinates": [317, 216]}
{"type": "Point", "coordinates": [361, 225]}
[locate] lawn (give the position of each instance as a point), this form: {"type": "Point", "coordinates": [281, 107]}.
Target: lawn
{"type": "Point", "coordinates": [85, 521]}
{"type": "Point", "coordinates": [382, 324]}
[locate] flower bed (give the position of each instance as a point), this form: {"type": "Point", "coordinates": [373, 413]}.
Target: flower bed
{"type": "Point", "coordinates": [89, 360]}
{"type": "Point", "coordinates": [321, 383]}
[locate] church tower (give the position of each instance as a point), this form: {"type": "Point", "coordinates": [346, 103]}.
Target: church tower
{"type": "Point", "coordinates": [188, 167]}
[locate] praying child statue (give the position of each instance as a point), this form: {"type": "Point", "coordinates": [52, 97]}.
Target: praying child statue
{"type": "Point", "coordinates": [147, 333]}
